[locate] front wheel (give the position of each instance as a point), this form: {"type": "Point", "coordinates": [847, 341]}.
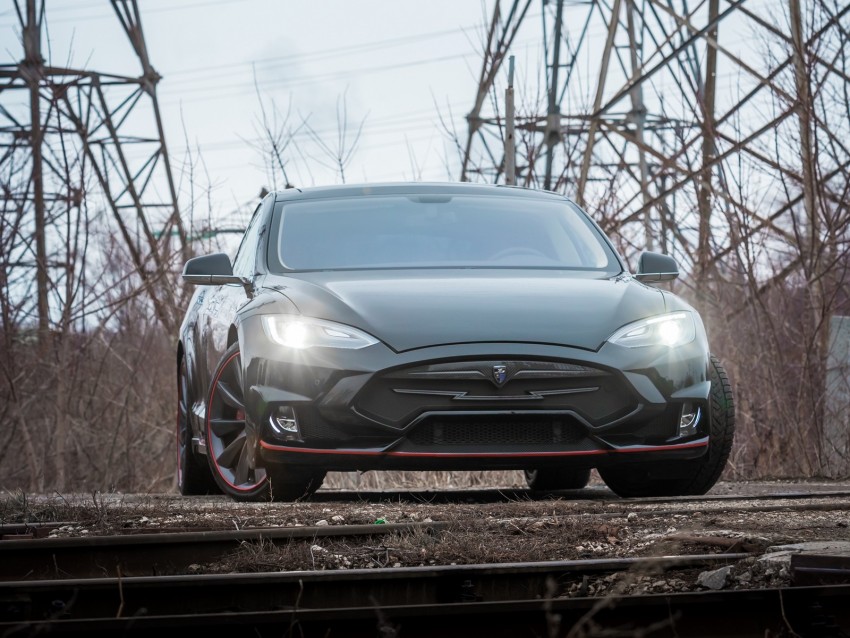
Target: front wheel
{"type": "Point", "coordinates": [695, 476]}
{"type": "Point", "coordinates": [231, 441]}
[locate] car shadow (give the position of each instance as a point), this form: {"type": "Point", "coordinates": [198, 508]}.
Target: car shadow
{"type": "Point", "coordinates": [482, 496]}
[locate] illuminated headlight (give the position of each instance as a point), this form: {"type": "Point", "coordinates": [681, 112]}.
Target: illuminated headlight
{"type": "Point", "coordinates": [294, 331]}
{"type": "Point", "coordinates": [671, 330]}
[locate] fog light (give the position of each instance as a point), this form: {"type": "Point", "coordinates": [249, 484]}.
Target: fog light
{"type": "Point", "coordinates": [284, 422]}
{"type": "Point", "coordinates": [689, 420]}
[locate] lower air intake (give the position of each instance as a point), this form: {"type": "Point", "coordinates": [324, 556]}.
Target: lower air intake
{"type": "Point", "coordinates": [496, 431]}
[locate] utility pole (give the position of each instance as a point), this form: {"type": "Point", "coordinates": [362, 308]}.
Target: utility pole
{"type": "Point", "coordinates": [510, 128]}
{"type": "Point", "coordinates": [708, 149]}
{"type": "Point", "coordinates": [500, 36]}
{"type": "Point", "coordinates": [553, 114]}
{"type": "Point", "coordinates": [32, 70]}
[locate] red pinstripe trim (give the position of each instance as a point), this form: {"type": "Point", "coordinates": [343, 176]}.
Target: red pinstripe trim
{"type": "Point", "coordinates": [449, 455]}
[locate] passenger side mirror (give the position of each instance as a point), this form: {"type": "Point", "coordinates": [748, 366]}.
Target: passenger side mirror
{"type": "Point", "coordinates": [210, 270]}
{"type": "Point", "coordinates": [654, 267]}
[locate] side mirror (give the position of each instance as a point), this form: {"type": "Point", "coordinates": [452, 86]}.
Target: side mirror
{"type": "Point", "coordinates": [656, 267]}
{"type": "Point", "coordinates": [210, 270]}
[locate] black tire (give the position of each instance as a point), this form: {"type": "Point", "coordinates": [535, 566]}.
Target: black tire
{"type": "Point", "coordinates": [232, 444]}
{"type": "Point", "coordinates": [697, 475]}
{"type": "Point", "coordinates": [193, 473]}
{"type": "Point", "coordinates": [293, 484]}
{"type": "Point", "coordinates": [549, 479]}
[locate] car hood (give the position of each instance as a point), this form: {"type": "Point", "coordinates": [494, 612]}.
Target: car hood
{"type": "Point", "coordinates": [408, 309]}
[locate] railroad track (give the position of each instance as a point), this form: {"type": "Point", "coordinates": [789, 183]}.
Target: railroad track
{"type": "Point", "coordinates": [494, 600]}
{"type": "Point", "coordinates": [173, 551]}
{"type": "Point", "coordinates": [26, 554]}
{"type": "Point", "coordinates": [41, 529]}
{"type": "Point", "coordinates": [109, 585]}
{"type": "Point", "coordinates": [162, 553]}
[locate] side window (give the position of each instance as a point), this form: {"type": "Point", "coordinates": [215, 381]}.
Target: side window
{"type": "Point", "coordinates": [245, 262]}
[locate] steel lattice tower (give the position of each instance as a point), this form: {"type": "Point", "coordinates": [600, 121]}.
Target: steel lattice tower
{"type": "Point", "coordinates": [74, 143]}
{"type": "Point", "coordinates": [652, 120]}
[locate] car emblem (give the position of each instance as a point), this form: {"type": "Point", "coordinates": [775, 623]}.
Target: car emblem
{"type": "Point", "coordinates": [500, 374]}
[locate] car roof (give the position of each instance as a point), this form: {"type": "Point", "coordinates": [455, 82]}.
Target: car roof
{"type": "Point", "coordinates": [413, 188]}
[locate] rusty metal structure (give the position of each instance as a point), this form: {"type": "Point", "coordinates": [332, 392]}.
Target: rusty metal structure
{"type": "Point", "coordinates": [81, 152]}
{"type": "Point", "coordinates": [715, 131]}
{"type": "Point", "coordinates": [653, 119]}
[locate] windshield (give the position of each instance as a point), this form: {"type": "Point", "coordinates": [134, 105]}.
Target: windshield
{"type": "Point", "coordinates": [439, 231]}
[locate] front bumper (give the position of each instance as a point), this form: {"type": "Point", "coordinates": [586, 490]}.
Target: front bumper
{"type": "Point", "coordinates": [378, 409]}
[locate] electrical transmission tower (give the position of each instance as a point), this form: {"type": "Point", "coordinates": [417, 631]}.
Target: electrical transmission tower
{"type": "Point", "coordinates": [83, 155]}
{"type": "Point", "coordinates": [635, 124]}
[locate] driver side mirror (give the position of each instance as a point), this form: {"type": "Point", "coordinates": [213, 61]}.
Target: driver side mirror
{"type": "Point", "coordinates": [210, 270]}
{"type": "Point", "coordinates": [654, 267]}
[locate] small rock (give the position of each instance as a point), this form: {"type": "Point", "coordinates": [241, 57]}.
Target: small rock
{"type": "Point", "coordinates": [632, 516]}
{"type": "Point", "coordinates": [338, 519]}
{"type": "Point", "coordinates": [318, 549]}
{"type": "Point", "coordinates": [427, 520]}
{"type": "Point", "coordinates": [396, 564]}
{"type": "Point", "coordinates": [322, 523]}
{"type": "Point", "coordinates": [715, 579]}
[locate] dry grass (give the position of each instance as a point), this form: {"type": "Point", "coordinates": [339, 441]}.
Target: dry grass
{"type": "Point", "coordinates": [394, 480]}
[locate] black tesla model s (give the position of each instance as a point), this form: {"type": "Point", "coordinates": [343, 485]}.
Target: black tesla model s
{"type": "Point", "coordinates": [441, 326]}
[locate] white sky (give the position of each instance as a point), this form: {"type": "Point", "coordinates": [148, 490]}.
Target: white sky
{"type": "Point", "coordinates": [396, 62]}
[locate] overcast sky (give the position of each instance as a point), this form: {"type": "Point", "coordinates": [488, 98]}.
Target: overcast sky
{"type": "Point", "coordinates": [397, 63]}
{"type": "Point", "coordinates": [400, 66]}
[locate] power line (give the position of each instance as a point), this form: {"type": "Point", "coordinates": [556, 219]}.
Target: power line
{"type": "Point", "coordinates": [240, 89]}
{"type": "Point", "coordinates": [325, 53]}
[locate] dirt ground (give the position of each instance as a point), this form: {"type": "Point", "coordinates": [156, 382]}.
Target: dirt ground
{"type": "Point", "coordinates": [491, 526]}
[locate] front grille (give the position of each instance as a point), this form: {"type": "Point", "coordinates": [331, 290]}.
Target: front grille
{"type": "Point", "coordinates": [397, 397]}
{"type": "Point", "coordinates": [496, 430]}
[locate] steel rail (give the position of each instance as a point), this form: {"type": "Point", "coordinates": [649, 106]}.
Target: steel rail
{"type": "Point", "coordinates": [752, 509]}
{"type": "Point", "coordinates": [804, 611]}
{"type": "Point", "coordinates": [213, 593]}
{"type": "Point", "coordinates": [147, 554]}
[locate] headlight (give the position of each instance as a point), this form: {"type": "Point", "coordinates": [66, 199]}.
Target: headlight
{"type": "Point", "coordinates": [671, 330]}
{"type": "Point", "coordinates": [304, 332]}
